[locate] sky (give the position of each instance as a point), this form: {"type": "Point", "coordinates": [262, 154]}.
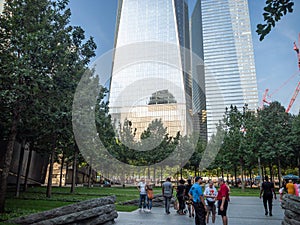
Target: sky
{"type": "Point", "coordinates": [275, 59]}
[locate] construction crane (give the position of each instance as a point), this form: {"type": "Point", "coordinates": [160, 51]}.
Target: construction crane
{"type": "Point", "coordinates": [296, 92]}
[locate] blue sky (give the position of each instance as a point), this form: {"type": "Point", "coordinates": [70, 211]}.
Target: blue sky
{"type": "Point", "coordinates": [275, 59]}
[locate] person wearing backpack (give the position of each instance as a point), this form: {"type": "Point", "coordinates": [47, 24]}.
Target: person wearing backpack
{"type": "Point", "coordinates": [167, 191]}
{"type": "Point", "coordinates": [267, 190]}
{"type": "Point", "coordinates": [150, 195]}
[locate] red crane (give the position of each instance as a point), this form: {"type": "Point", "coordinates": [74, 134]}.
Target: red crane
{"type": "Point", "coordinates": [296, 92]}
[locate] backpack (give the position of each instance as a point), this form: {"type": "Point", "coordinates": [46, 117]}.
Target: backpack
{"type": "Point", "coordinates": [150, 194]}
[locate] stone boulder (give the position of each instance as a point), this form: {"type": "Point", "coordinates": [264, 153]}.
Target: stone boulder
{"type": "Point", "coordinates": [291, 204]}
{"type": "Point", "coordinates": [100, 211]}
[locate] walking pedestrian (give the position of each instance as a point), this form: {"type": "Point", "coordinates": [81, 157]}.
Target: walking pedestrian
{"type": "Point", "coordinates": [180, 196]}
{"type": "Point", "coordinates": [143, 194]}
{"type": "Point", "coordinates": [196, 195]}
{"type": "Point", "coordinates": [267, 190]}
{"type": "Point", "coordinates": [223, 199]}
{"type": "Point", "coordinates": [167, 191]}
{"type": "Point", "coordinates": [210, 194]}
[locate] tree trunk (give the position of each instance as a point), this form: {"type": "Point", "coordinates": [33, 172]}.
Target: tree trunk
{"type": "Point", "coordinates": [67, 171]}
{"type": "Point", "coordinates": [148, 172]}
{"type": "Point", "coordinates": [259, 172]}
{"type": "Point", "coordinates": [49, 184]}
{"type": "Point", "coordinates": [61, 169]}
{"type": "Point", "coordinates": [180, 173]}
{"type": "Point", "coordinates": [154, 176]}
{"type": "Point", "coordinates": [242, 175]}
{"type": "Point", "coordinates": [20, 166]}
{"type": "Point", "coordinates": [7, 160]}
{"type": "Point", "coordinates": [271, 172]}
{"type": "Point", "coordinates": [227, 174]}
{"type": "Point", "coordinates": [250, 172]}
{"type": "Point", "coordinates": [74, 170]}
{"type": "Point", "coordinates": [235, 176]}
{"type": "Point", "coordinates": [279, 173]}
{"type": "Point", "coordinates": [28, 166]}
{"type": "Point", "coordinates": [90, 173]}
{"type": "Point", "coordinates": [299, 165]}
{"type": "Point", "coordinates": [161, 175]}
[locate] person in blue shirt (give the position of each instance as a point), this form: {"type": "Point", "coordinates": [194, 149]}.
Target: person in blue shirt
{"type": "Point", "coordinates": [196, 195]}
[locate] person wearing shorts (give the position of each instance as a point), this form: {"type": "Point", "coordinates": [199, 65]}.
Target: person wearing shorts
{"type": "Point", "coordinates": [223, 198]}
{"type": "Point", "coordinates": [210, 194]}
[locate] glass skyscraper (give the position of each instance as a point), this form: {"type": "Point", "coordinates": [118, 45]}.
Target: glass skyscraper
{"type": "Point", "coordinates": [156, 71]}
{"type": "Point", "coordinates": [230, 76]}
{"type": "Point", "coordinates": [151, 75]}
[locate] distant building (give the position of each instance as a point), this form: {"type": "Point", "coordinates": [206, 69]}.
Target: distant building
{"type": "Point", "coordinates": [230, 76]}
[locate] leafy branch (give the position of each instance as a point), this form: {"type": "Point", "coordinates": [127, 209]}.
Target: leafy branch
{"type": "Point", "coordinates": [274, 11]}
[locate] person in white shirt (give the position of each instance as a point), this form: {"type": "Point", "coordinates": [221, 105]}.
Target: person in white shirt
{"type": "Point", "coordinates": [210, 194]}
{"type": "Point", "coordinates": [143, 194]}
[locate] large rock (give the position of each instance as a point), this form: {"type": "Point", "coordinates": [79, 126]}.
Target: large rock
{"type": "Point", "coordinates": [291, 204]}
{"type": "Point", "coordinates": [96, 212]}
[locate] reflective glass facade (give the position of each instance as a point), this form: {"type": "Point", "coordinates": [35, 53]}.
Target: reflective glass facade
{"type": "Point", "coordinates": [199, 98]}
{"type": "Point", "coordinates": [149, 35]}
{"type": "Point", "coordinates": [230, 76]}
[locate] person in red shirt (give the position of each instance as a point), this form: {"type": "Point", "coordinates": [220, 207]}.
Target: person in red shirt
{"type": "Point", "coordinates": [223, 198]}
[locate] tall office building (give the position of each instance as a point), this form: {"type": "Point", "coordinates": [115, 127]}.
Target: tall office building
{"type": "Point", "coordinates": [230, 76]}
{"type": "Point", "coordinates": [151, 75]}
{"type": "Point", "coordinates": [199, 98]}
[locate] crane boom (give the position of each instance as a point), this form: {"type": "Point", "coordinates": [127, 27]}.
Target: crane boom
{"type": "Point", "coordinates": [298, 53]}
{"type": "Point", "coordinates": [296, 92]}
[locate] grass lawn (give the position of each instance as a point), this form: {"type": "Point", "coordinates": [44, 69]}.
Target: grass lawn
{"type": "Point", "coordinates": [34, 200]}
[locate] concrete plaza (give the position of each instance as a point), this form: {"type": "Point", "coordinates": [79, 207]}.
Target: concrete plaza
{"type": "Point", "coordinates": [241, 211]}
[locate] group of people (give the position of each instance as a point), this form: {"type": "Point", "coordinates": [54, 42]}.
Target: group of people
{"type": "Point", "coordinates": [146, 195]}
{"type": "Point", "coordinates": [199, 204]}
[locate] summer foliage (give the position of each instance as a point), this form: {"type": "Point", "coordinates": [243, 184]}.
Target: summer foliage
{"type": "Point", "coordinates": [274, 11]}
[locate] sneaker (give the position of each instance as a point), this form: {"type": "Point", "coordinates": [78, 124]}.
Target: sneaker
{"type": "Point", "coordinates": [266, 213]}
{"type": "Point", "coordinates": [270, 214]}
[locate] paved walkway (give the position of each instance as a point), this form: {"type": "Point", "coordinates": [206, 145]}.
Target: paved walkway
{"type": "Point", "coordinates": [241, 211]}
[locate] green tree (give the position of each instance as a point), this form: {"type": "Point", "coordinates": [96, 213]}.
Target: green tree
{"type": "Point", "coordinates": [296, 142]}
{"type": "Point", "coordinates": [40, 54]}
{"type": "Point", "coordinates": [275, 125]}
